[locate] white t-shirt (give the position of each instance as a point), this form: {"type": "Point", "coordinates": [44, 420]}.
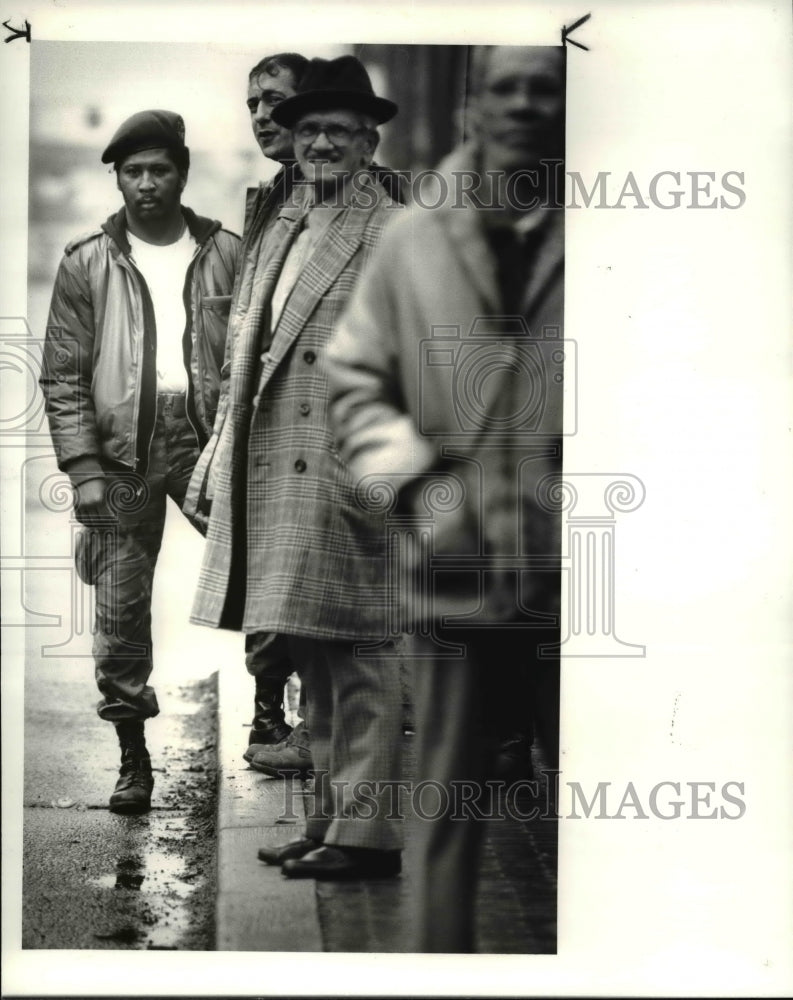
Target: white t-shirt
{"type": "Point", "coordinates": [164, 269]}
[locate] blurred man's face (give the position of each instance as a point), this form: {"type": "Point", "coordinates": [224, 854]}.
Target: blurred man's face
{"type": "Point", "coordinates": [330, 146]}
{"type": "Point", "coordinates": [519, 112]}
{"type": "Point", "coordinates": [264, 93]}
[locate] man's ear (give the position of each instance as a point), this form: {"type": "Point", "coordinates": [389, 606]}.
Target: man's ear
{"type": "Point", "coordinates": [182, 181]}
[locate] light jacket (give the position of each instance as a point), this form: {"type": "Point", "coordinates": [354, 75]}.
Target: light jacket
{"type": "Point", "coordinates": [99, 377]}
{"type": "Point", "coordinates": [463, 425]}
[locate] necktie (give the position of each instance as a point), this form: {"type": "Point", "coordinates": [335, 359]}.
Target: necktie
{"type": "Point", "coordinates": [514, 254]}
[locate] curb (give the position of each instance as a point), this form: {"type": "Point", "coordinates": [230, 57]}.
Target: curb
{"type": "Point", "coordinates": [257, 908]}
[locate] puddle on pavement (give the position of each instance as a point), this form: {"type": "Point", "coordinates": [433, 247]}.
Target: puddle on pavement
{"type": "Point", "coordinates": [161, 879]}
{"type": "Point", "coordinates": [160, 872]}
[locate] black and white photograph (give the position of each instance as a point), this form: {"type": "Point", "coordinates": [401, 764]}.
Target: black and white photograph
{"type": "Point", "coordinates": [394, 415]}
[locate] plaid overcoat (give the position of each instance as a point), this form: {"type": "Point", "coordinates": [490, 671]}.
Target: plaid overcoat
{"type": "Point", "coordinates": [284, 510]}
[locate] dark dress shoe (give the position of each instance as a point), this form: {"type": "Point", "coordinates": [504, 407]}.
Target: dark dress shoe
{"type": "Point", "coordinates": [342, 863]}
{"type": "Point", "coordinates": [294, 849]}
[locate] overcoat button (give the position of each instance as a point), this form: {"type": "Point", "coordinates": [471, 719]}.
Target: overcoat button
{"type": "Point", "coordinates": [309, 357]}
{"type": "Point", "coordinates": [305, 409]}
{"type": "Point", "coordinates": [300, 465]}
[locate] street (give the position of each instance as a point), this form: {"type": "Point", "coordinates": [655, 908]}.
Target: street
{"type": "Point", "coordinates": [93, 879]}
{"type": "Point", "coordinates": [185, 876]}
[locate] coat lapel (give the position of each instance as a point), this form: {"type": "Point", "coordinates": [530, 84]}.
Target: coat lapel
{"type": "Point", "coordinates": [247, 345]}
{"type": "Point", "coordinates": [547, 262]}
{"type": "Point", "coordinates": [471, 247]}
{"type": "Point", "coordinates": [336, 247]}
{"type": "Point", "coordinates": [468, 243]}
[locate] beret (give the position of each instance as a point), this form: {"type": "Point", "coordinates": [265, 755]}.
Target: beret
{"type": "Point", "coordinates": [146, 130]}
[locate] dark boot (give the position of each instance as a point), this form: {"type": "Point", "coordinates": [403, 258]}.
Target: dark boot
{"type": "Point", "coordinates": [132, 793]}
{"type": "Point", "coordinates": [269, 723]}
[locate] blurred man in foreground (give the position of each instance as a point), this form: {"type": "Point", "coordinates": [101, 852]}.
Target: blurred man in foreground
{"type": "Point", "coordinates": [445, 377]}
{"type": "Point", "coordinates": [134, 347]}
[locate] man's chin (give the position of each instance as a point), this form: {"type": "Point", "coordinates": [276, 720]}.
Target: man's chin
{"type": "Point", "coordinates": [518, 153]}
{"type": "Point", "coordinates": [510, 161]}
{"type": "Point", "coordinates": [326, 177]}
{"type": "Point", "coordinates": [275, 151]}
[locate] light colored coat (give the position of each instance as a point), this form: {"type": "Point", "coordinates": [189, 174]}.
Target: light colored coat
{"type": "Point", "coordinates": [407, 365]}
{"type": "Point", "coordinates": [314, 556]}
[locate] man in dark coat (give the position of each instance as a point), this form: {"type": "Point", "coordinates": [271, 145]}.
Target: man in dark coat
{"type": "Point", "coordinates": [290, 550]}
{"type": "Point", "coordinates": [134, 348]}
{"type": "Point", "coordinates": [272, 80]}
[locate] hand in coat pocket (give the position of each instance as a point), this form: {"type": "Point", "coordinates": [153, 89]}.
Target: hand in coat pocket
{"type": "Point", "coordinates": [452, 505]}
{"type": "Point", "coordinates": [200, 490]}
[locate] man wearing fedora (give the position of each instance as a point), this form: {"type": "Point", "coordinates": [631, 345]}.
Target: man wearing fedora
{"type": "Point", "coordinates": [273, 747]}
{"type": "Point", "coordinates": [131, 378]}
{"type": "Point", "coordinates": [290, 550]}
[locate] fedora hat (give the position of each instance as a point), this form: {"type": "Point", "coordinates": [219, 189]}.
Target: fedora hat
{"type": "Point", "coordinates": [330, 84]}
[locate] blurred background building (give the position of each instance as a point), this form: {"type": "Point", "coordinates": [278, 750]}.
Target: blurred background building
{"type": "Point", "coordinates": [80, 92]}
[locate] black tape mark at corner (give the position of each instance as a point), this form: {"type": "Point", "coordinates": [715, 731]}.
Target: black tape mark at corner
{"type": "Point", "coordinates": [17, 32]}
{"type": "Point", "coordinates": [568, 30]}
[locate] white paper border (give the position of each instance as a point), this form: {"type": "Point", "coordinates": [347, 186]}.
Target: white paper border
{"type": "Point", "coordinates": [687, 908]}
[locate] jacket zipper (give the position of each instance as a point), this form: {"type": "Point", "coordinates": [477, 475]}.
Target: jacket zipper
{"type": "Point", "coordinates": [191, 323]}
{"type": "Point", "coordinates": [148, 308]}
{"type": "Point", "coordinates": [126, 261]}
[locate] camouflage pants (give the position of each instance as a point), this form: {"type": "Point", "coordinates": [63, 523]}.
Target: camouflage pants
{"type": "Point", "coordinates": [123, 555]}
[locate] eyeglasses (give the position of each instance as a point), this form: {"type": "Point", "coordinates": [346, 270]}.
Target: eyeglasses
{"type": "Point", "coordinates": [339, 135]}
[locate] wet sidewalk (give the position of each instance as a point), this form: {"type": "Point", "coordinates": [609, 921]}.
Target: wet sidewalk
{"type": "Point", "coordinates": [260, 910]}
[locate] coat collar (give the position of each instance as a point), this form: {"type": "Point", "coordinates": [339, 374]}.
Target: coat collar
{"type": "Point", "coordinates": [465, 231]}
{"type": "Point", "coordinates": [337, 245]}
{"type": "Point", "coordinates": [262, 202]}
{"type": "Point", "coordinates": [201, 228]}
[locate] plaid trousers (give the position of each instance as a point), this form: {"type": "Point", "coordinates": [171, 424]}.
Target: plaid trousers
{"type": "Point", "coordinates": [354, 712]}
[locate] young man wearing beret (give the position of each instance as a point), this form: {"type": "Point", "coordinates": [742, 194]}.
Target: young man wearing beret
{"type": "Point", "coordinates": [132, 369]}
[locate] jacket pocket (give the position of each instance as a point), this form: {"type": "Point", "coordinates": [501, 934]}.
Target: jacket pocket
{"type": "Point", "coordinates": [217, 303]}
